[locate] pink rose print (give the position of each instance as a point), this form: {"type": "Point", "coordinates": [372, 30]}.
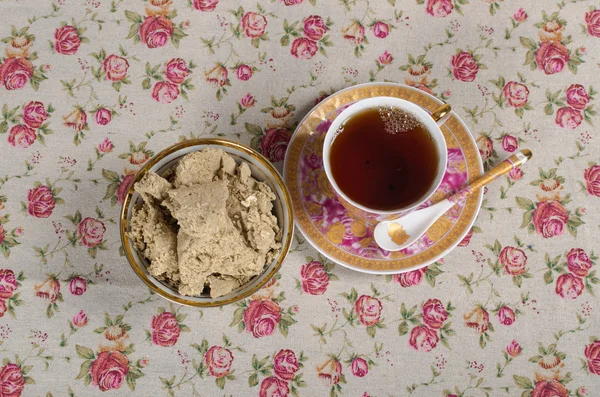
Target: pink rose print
{"type": "Point", "coordinates": [592, 180]}
{"type": "Point", "coordinates": [243, 72]}
{"type": "Point", "coordinates": [314, 27]}
{"type": "Point", "coordinates": [409, 279]}
{"type": "Point", "coordinates": [261, 317]}
{"type": "Point", "coordinates": [103, 116]}
{"type": "Point", "coordinates": [106, 146]}
{"type": "Point", "coordinates": [381, 30]}
{"type": "Point", "coordinates": [385, 58]}
{"type": "Point", "coordinates": [569, 286]}
{"type": "Point", "coordinates": [467, 239]}
{"type": "Point", "coordinates": [577, 97]}
{"type": "Point", "coordinates": [516, 94]}
{"type": "Point", "coordinates": [77, 285]}
{"type": "Point", "coordinates": [41, 202]}
{"type": "Point", "coordinates": [176, 70]}
{"type": "Point", "coordinates": [115, 67]}
{"type": "Point", "coordinates": [506, 315]}
{"type": "Point", "coordinates": [368, 310]}
{"type": "Point", "coordinates": [514, 349]}
{"type": "Point", "coordinates": [359, 367]}
{"type": "Point", "coordinates": [434, 314]}
{"type": "Point", "coordinates": [578, 262]}
{"type": "Point", "coordinates": [165, 92]}
{"type": "Point", "coordinates": [464, 67]}
{"type": "Point", "coordinates": [314, 278]}
{"type": "Point", "coordinates": [124, 187]}
{"type": "Point", "coordinates": [109, 370]}
{"type": "Point", "coordinates": [77, 119]}
{"type": "Point", "coordinates": [34, 114]}
{"type": "Point", "coordinates": [478, 319]}
{"type": "Point", "coordinates": [516, 174]}
{"type": "Point", "coordinates": [8, 283]}
{"type": "Point", "coordinates": [549, 388]}
{"type": "Point", "coordinates": [15, 73]}
{"type": "Point", "coordinates": [568, 118]}
{"type": "Point", "coordinates": [303, 48]}
{"type": "Point", "coordinates": [274, 144]}
{"type": "Point", "coordinates": [21, 136]}
{"type": "Point", "coordinates": [285, 364]}
{"type": "Point", "coordinates": [592, 21]}
{"type": "Point", "coordinates": [273, 387]}
{"type": "Point", "coordinates": [592, 354]}
{"type": "Point", "coordinates": [205, 5]}
{"type": "Point", "coordinates": [165, 329]}
{"type": "Point", "coordinates": [80, 319]}
{"type": "Point", "coordinates": [551, 57]}
{"type": "Point", "coordinates": [3, 308]}
{"type": "Point", "coordinates": [91, 232]}
{"type": "Point", "coordinates": [155, 31]}
{"type": "Point", "coordinates": [355, 32]}
{"type": "Point", "coordinates": [520, 15]}
{"type": "Point", "coordinates": [217, 76]}
{"type": "Point", "coordinates": [49, 289]}
{"type": "Point", "coordinates": [510, 143]}
{"type": "Point", "coordinates": [254, 24]}
{"type": "Point", "coordinates": [66, 40]}
{"type": "Point", "coordinates": [218, 360]}
{"type": "Point", "coordinates": [330, 372]}
{"type": "Point", "coordinates": [11, 381]}
{"type": "Point", "coordinates": [486, 147]}
{"type": "Point", "coordinates": [423, 339]}
{"type": "Point", "coordinates": [247, 101]}
{"type": "Point", "coordinates": [514, 260]}
{"type": "Point", "coordinates": [439, 8]}
{"type": "Point", "coordinates": [292, 2]}
{"type": "Point", "coordinates": [550, 218]}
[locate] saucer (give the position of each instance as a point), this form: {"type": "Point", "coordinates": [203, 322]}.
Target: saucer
{"type": "Point", "coordinates": [344, 234]}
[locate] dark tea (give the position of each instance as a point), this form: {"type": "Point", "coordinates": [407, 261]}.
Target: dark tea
{"type": "Point", "coordinates": [384, 159]}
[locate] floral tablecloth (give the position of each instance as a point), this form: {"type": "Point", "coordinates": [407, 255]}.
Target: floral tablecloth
{"type": "Point", "coordinates": [90, 90]}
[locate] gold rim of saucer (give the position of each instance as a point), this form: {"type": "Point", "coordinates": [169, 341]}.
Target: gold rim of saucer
{"type": "Point", "coordinates": [452, 234]}
{"type": "Point", "coordinates": [172, 149]}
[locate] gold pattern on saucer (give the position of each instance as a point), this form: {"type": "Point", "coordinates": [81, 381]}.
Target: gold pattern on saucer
{"type": "Point", "coordinates": [397, 233]}
{"type": "Point", "coordinates": [439, 228]}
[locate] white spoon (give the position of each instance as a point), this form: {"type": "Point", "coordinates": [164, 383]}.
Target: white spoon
{"type": "Point", "coordinates": [399, 233]}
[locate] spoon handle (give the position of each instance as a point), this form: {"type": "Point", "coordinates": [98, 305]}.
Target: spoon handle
{"type": "Point", "coordinates": [514, 161]}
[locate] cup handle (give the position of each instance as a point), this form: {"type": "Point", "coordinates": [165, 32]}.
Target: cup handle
{"type": "Point", "coordinates": [441, 114]}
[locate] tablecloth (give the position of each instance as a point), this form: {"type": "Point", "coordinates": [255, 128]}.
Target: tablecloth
{"type": "Point", "coordinates": [90, 90]}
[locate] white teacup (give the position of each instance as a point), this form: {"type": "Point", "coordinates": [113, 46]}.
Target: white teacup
{"type": "Point", "coordinates": [431, 123]}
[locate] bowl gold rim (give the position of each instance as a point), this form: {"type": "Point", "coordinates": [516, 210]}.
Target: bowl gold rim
{"type": "Point", "coordinates": [172, 149]}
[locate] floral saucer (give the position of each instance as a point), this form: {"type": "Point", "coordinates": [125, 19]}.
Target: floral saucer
{"type": "Point", "coordinates": [346, 235]}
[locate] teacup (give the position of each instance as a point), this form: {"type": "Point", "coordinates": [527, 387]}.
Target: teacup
{"type": "Point", "coordinates": [431, 123]}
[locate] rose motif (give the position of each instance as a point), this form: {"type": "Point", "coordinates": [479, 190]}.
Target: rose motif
{"type": "Point", "coordinates": [254, 24]}
{"type": "Point", "coordinates": [478, 319]}
{"type": "Point", "coordinates": [115, 67]}
{"type": "Point", "coordinates": [34, 114]}
{"type": "Point", "coordinates": [124, 187]}
{"type": "Point", "coordinates": [274, 143]}
{"type": "Point", "coordinates": [8, 283]}
{"type": "Point", "coordinates": [520, 15]}
{"type": "Point", "coordinates": [314, 27]}
{"type": "Point", "coordinates": [115, 332]}
{"type": "Point", "coordinates": [41, 202]}
{"type": "Point", "coordinates": [11, 380]}
{"type": "Point", "coordinates": [434, 313]}
{"type": "Point", "coordinates": [550, 218]}
{"type": "Point", "coordinates": [359, 367]}
{"type": "Point", "coordinates": [217, 76]}
{"type": "Point", "coordinates": [165, 92]}
{"type": "Point", "coordinates": [592, 180]}
{"type": "Point", "coordinates": [247, 101]}
{"type": "Point", "coordinates": [423, 339]}
{"type": "Point", "coordinates": [205, 5]}
{"type": "Point", "coordinates": [592, 353]}
{"type": "Point", "coordinates": [21, 136]}
{"type": "Point", "coordinates": [592, 21]}
{"type": "Point", "coordinates": [18, 47]}
{"type": "Point", "coordinates": [304, 48]}
{"type": "Point", "coordinates": [467, 239]}
{"type": "Point", "coordinates": [15, 73]}
{"type": "Point", "coordinates": [218, 360]}
{"type": "Point", "coordinates": [314, 278]}
{"type": "Point", "coordinates": [2, 234]}
{"type": "Point", "coordinates": [568, 118]}
{"type": "Point", "coordinates": [549, 388]}
{"type": "Point", "coordinates": [103, 116]}
{"type": "Point", "coordinates": [285, 364]}
{"type": "Point", "coordinates": [569, 286]}
{"type": "Point", "coordinates": [514, 349]}
{"type": "Point", "coordinates": [464, 67]}
{"type": "Point", "coordinates": [516, 94]}
{"type": "Point", "coordinates": [91, 231]}
{"type": "Point", "coordinates": [330, 372]}
{"type": "Point", "coordinates": [155, 31]}
{"type": "Point", "coordinates": [109, 370]}
{"type": "Point", "coordinates": [77, 285]}
{"type": "Point", "coordinates": [165, 329]}
{"type": "Point", "coordinates": [439, 8]}
{"type": "Point", "coordinates": [243, 72]}
{"type": "Point", "coordinates": [510, 143]}
{"type": "Point", "coordinates": [578, 262]}
{"type": "Point", "coordinates": [381, 30]}
{"type": "Point", "coordinates": [368, 309]}
{"type": "Point", "coordinates": [49, 289]}
{"type": "Point", "coordinates": [273, 387]}
{"type": "Point", "coordinates": [3, 308]}
{"type": "Point", "coordinates": [80, 319]}
{"type": "Point", "coordinates": [486, 146]}
{"type": "Point", "coordinates": [66, 40]}
{"type": "Point", "coordinates": [514, 260]}
{"type": "Point", "coordinates": [385, 58]}
{"type": "Point", "coordinates": [577, 97]}
{"type": "Point", "coordinates": [355, 32]}
{"type": "Point", "coordinates": [261, 317]}
{"type": "Point", "coordinates": [516, 174]}
{"type": "Point", "coordinates": [77, 120]}
{"type": "Point", "coordinates": [551, 31]}
{"type": "Point", "coordinates": [292, 2]}
{"type": "Point", "coordinates": [551, 57]}
{"type": "Point", "coordinates": [409, 279]}
{"type": "Point", "coordinates": [106, 146]}
{"type": "Point", "coordinates": [506, 315]}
